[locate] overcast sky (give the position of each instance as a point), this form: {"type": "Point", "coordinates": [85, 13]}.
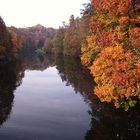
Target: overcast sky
{"type": "Point", "coordinates": [50, 13]}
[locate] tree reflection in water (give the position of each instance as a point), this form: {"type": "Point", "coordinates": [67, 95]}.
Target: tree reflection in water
{"type": "Point", "coordinates": [107, 123]}
{"type": "Point", "coordinates": [10, 78]}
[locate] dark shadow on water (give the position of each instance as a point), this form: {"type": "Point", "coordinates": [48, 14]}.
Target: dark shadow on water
{"type": "Point", "coordinates": [10, 78]}
{"type": "Point", "coordinates": [108, 123]}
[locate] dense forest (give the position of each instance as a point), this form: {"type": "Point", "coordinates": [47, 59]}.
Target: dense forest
{"type": "Point", "coordinates": [107, 39]}
{"type": "Point", "coordinates": [33, 38]}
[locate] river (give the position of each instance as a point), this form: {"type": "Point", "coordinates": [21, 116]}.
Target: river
{"type": "Point", "coordinates": [52, 98]}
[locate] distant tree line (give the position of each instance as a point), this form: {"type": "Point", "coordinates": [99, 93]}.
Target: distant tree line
{"type": "Point", "coordinates": [33, 38]}
{"type": "Point", "coordinates": [66, 40]}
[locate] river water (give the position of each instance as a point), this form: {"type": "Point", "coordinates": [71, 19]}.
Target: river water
{"type": "Point", "coordinates": [52, 98]}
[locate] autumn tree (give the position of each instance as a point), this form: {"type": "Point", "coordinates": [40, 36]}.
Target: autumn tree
{"type": "Point", "coordinates": [86, 13]}
{"type": "Point", "coordinates": [4, 38]}
{"type": "Point", "coordinates": [73, 37]}
{"type": "Point", "coordinates": [58, 41]}
{"type": "Point", "coordinates": [48, 45]}
{"type": "Point", "coordinates": [10, 43]}
{"type": "Point", "coordinates": [15, 41]}
{"type": "Point", "coordinates": [113, 49]}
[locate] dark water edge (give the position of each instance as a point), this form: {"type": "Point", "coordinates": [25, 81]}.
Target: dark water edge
{"type": "Point", "coordinates": [78, 115]}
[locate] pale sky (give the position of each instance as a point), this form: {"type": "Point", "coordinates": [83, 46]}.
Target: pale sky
{"type": "Point", "coordinates": [50, 13]}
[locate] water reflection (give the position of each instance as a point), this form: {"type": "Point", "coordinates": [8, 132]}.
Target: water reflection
{"type": "Point", "coordinates": [72, 72]}
{"type": "Point", "coordinates": [107, 123]}
{"type": "Point", "coordinates": [10, 78]}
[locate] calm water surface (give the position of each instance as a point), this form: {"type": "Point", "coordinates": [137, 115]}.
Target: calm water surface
{"type": "Point", "coordinates": [51, 99]}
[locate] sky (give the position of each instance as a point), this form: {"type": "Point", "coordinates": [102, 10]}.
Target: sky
{"type": "Point", "coordinates": [49, 13]}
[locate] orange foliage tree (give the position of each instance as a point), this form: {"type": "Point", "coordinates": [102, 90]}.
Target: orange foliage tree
{"type": "Point", "coordinates": [4, 38]}
{"type": "Point", "coordinates": [112, 51]}
{"type": "Point", "coordinates": [16, 42]}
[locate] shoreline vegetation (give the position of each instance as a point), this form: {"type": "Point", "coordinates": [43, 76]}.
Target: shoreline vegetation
{"type": "Point", "coordinates": [106, 38]}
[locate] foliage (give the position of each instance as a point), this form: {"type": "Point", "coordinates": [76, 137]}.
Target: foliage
{"type": "Point", "coordinates": [73, 38]}
{"type": "Point", "coordinates": [89, 52]}
{"type": "Point", "coordinates": [16, 42]}
{"type": "Point", "coordinates": [117, 76]}
{"type": "Point", "coordinates": [40, 52]}
{"type": "Point", "coordinates": [114, 44]}
{"type": "Point", "coordinates": [35, 37]}
{"type": "Point", "coordinates": [86, 13]}
{"type": "Point", "coordinates": [48, 45]}
{"type": "Point", "coordinates": [4, 38]}
{"type": "Point", "coordinates": [10, 43]}
{"type": "Point", "coordinates": [58, 41]}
